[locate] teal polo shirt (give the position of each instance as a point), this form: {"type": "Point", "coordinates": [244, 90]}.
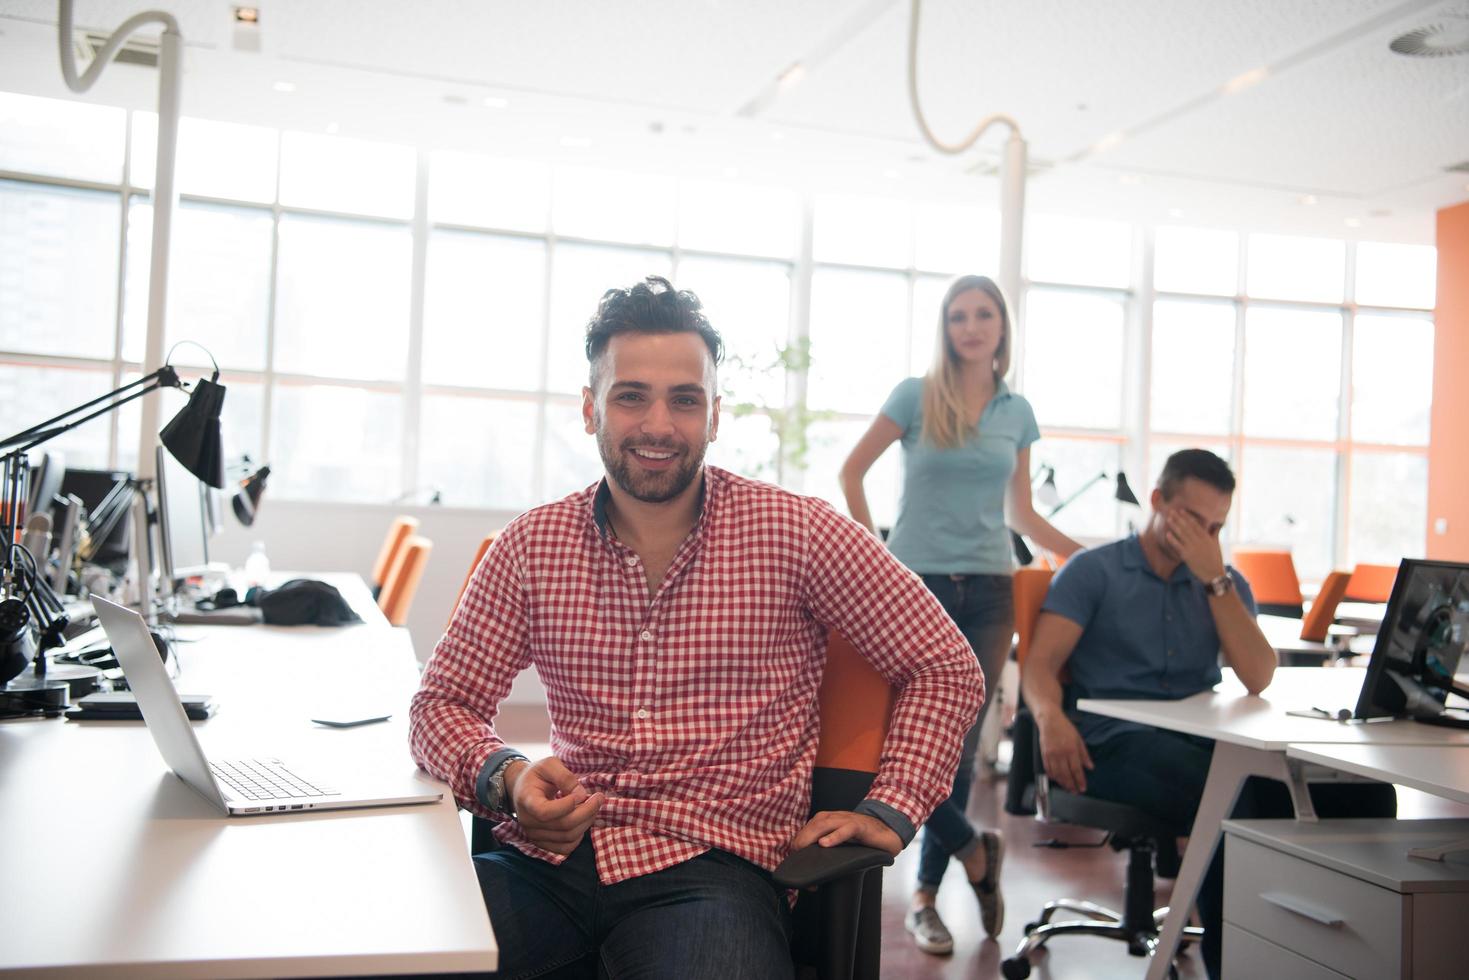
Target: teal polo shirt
{"type": "Point", "coordinates": [1142, 637]}
{"type": "Point", "coordinates": [951, 518]}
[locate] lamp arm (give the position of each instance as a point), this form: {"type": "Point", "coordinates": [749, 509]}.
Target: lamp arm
{"type": "Point", "coordinates": [1077, 493]}
{"type": "Point", "coordinates": [164, 377]}
{"type": "Point", "coordinates": [80, 83]}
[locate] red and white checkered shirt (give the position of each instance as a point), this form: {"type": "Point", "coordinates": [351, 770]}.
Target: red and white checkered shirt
{"type": "Point", "coordinates": [694, 711]}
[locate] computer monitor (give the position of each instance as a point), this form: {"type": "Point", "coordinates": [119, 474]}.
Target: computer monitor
{"type": "Point", "coordinates": [111, 526]}
{"type": "Point", "coordinates": [183, 529]}
{"type": "Point", "coordinates": [1419, 647]}
{"type": "Point", "coordinates": [46, 477]}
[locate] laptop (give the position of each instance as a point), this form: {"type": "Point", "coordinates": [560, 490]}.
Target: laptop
{"type": "Point", "coordinates": [239, 787]}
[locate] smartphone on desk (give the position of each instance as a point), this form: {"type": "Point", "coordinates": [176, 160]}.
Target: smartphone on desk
{"type": "Point", "coordinates": [122, 706]}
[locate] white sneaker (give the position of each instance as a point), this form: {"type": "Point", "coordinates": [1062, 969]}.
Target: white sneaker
{"type": "Point", "coordinates": [929, 932]}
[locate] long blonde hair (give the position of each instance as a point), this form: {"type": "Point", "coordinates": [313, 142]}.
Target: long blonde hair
{"type": "Point", "coordinates": [944, 422]}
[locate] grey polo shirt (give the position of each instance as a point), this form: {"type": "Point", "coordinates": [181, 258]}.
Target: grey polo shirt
{"type": "Point", "coordinates": [1142, 637]}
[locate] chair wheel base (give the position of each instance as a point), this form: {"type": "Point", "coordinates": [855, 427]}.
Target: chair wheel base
{"type": "Point", "coordinates": [1031, 927]}
{"type": "Point", "coordinates": [1015, 968]}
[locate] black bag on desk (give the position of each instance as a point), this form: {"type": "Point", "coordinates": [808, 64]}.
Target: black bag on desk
{"type": "Point", "coordinates": [302, 601]}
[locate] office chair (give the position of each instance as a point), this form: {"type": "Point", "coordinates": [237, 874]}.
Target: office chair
{"type": "Point", "coordinates": [399, 531]}
{"type": "Point", "coordinates": [1272, 577]}
{"type": "Point", "coordinates": [479, 555]}
{"type": "Point", "coordinates": [1030, 587]}
{"type": "Point", "coordinates": [401, 585]}
{"type": "Point", "coordinates": [837, 926]}
{"type": "Point", "coordinates": [1371, 583]}
{"type": "Point", "coordinates": [1128, 829]}
{"type": "Point", "coordinates": [1318, 619]}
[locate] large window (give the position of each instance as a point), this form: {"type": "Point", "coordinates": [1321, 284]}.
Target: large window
{"type": "Point", "coordinates": [379, 345]}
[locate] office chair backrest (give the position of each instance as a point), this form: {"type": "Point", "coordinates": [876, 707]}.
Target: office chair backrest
{"type": "Point", "coordinates": [1323, 609]}
{"type": "Point", "coordinates": [1272, 577]}
{"type": "Point", "coordinates": [1031, 585]}
{"type": "Point", "coordinates": [1371, 583]}
{"type": "Point", "coordinates": [479, 556]}
{"type": "Point", "coordinates": [399, 531]}
{"type": "Point", "coordinates": [856, 707]}
{"type": "Point", "coordinates": [403, 578]}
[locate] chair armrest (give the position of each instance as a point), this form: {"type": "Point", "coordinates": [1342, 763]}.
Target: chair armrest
{"type": "Point", "coordinates": [816, 865]}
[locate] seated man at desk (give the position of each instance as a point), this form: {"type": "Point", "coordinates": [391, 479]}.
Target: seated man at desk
{"type": "Point", "coordinates": [1152, 616]}
{"type": "Point", "coordinates": [677, 615]}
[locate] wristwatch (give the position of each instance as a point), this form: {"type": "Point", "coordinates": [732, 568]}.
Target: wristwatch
{"type": "Point", "coordinates": [1219, 586]}
{"type": "Point", "coordinates": [496, 798]}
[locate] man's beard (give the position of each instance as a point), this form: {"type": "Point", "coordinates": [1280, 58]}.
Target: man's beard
{"type": "Point", "coordinates": [640, 484]}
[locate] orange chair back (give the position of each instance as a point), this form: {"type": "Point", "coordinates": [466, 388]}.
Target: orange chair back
{"type": "Point", "coordinates": [856, 707]}
{"type": "Point", "coordinates": [479, 556]}
{"type": "Point", "coordinates": [403, 578]}
{"type": "Point", "coordinates": [1031, 585]}
{"type": "Point", "coordinates": [399, 531]}
{"type": "Point", "coordinates": [1371, 583]}
{"type": "Point", "coordinates": [1271, 574]}
{"type": "Point", "coordinates": [1323, 610]}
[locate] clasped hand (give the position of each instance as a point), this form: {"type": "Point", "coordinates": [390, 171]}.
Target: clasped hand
{"type": "Point", "coordinates": [553, 807]}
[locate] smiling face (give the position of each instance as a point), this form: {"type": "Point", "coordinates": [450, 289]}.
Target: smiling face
{"type": "Point", "coordinates": [654, 412]}
{"type": "Point", "coordinates": [973, 327]}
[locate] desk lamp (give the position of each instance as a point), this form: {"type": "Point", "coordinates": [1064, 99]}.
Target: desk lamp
{"type": "Point", "coordinates": [27, 603]}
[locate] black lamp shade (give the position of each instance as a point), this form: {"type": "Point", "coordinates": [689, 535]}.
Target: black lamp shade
{"type": "Point", "coordinates": [193, 436]}
{"type": "Point", "coordinates": [247, 498]}
{"type": "Point", "coordinates": [1124, 492]}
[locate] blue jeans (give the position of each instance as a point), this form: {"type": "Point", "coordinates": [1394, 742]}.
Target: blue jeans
{"type": "Point", "coordinates": [983, 607]}
{"type": "Point", "coordinates": [716, 915]}
{"type": "Point", "coordinates": [1163, 773]}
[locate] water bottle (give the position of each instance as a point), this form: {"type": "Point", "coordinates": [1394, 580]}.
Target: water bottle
{"type": "Point", "coordinates": [257, 566]}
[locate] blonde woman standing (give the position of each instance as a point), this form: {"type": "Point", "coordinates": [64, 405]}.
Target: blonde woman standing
{"type": "Point", "coordinates": [966, 451]}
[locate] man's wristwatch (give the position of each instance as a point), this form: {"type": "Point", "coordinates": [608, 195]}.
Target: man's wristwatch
{"type": "Point", "coordinates": [496, 797]}
{"type": "Point", "coordinates": [1219, 586]}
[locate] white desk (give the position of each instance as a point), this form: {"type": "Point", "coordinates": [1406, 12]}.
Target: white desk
{"type": "Point", "coordinates": [1252, 735]}
{"type": "Point", "coordinates": [1442, 770]}
{"type": "Point", "coordinates": [119, 869]}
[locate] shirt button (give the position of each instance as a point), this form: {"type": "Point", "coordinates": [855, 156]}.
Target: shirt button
{"type": "Point", "coordinates": [646, 636]}
{"type": "Point", "coordinates": [632, 559]}
{"type": "Point", "coordinates": [641, 714]}
{"type": "Point", "coordinates": [1170, 653]}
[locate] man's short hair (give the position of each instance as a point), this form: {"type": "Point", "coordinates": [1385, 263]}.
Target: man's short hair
{"type": "Point", "coordinates": [651, 306]}
{"type": "Point", "coordinates": [1200, 464]}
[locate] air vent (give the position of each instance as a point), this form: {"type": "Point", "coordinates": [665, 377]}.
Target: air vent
{"type": "Point", "coordinates": [134, 51]}
{"type": "Point", "coordinates": [1434, 40]}
{"type": "Point", "coordinates": [1458, 168]}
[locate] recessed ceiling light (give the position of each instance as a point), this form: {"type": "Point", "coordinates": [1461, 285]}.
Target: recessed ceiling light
{"type": "Point", "coordinates": [1131, 180]}
{"type": "Point", "coordinates": [494, 102]}
{"type": "Point", "coordinates": [1309, 200]}
{"type": "Point", "coordinates": [333, 129]}
{"type": "Point", "coordinates": [776, 134]}
{"type": "Point", "coordinates": [792, 76]}
{"type": "Point", "coordinates": [1352, 222]}
{"type": "Point", "coordinates": [1107, 142]}
{"type": "Point", "coordinates": [284, 86]}
{"type": "Point", "coordinates": [1175, 212]}
{"type": "Point", "coordinates": [891, 174]}
{"type": "Point", "coordinates": [576, 142]}
{"type": "Point", "coordinates": [730, 172]}
{"type": "Point", "coordinates": [1245, 80]}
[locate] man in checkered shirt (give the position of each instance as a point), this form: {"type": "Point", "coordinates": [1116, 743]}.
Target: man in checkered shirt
{"type": "Point", "coordinates": [677, 616]}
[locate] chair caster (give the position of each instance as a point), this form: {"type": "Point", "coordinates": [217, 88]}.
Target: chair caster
{"type": "Point", "coordinates": [1031, 927]}
{"type": "Point", "coordinates": [1138, 949]}
{"type": "Point", "coordinates": [1015, 968]}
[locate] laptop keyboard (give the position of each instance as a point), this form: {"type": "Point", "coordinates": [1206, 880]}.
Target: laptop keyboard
{"type": "Point", "coordinates": [266, 779]}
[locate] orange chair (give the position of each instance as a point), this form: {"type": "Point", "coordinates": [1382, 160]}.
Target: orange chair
{"type": "Point", "coordinates": [479, 555]}
{"type": "Point", "coordinates": [399, 531]}
{"type": "Point", "coordinates": [403, 578]}
{"type": "Point", "coordinates": [1272, 577]}
{"type": "Point", "coordinates": [1371, 583]}
{"type": "Point", "coordinates": [1030, 589]}
{"type": "Point", "coordinates": [1323, 610]}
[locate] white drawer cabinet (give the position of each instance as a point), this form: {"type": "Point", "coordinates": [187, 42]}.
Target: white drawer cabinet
{"type": "Point", "coordinates": [1343, 898]}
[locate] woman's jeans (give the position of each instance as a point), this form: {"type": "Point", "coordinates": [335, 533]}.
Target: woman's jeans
{"type": "Point", "coordinates": [983, 608]}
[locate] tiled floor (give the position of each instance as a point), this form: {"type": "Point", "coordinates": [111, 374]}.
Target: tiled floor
{"type": "Point", "coordinates": [1032, 876]}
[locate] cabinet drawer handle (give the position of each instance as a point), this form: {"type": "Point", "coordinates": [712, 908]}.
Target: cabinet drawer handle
{"type": "Point", "coordinates": [1314, 913]}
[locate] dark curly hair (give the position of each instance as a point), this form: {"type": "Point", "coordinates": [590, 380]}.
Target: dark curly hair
{"type": "Point", "coordinates": [651, 306]}
{"type": "Point", "coordinates": [1200, 464]}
